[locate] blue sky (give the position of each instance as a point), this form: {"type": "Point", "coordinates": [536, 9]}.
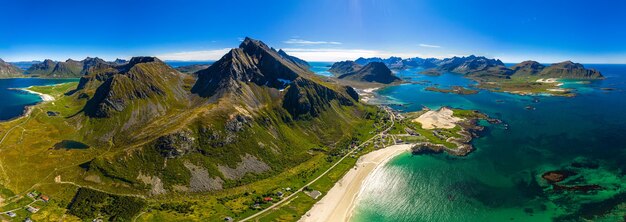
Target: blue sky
{"type": "Point", "coordinates": [323, 30]}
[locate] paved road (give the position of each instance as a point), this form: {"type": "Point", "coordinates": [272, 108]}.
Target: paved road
{"type": "Point", "coordinates": [392, 117]}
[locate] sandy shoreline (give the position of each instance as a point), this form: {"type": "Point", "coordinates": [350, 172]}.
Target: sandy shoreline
{"type": "Point", "coordinates": [338, 203]}
{"type": "Point", "coordinates": [44, 97]}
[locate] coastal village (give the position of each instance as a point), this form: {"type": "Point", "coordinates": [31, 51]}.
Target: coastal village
{"type": "Point", "coordinates": [23, 207]}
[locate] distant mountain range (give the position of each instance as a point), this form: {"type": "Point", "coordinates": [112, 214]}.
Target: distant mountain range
{"type": "Point", "coordinates": [476, 67]}
{"type": "Point", "coordinates": [8, 70]}
{"type": "Point", "coordinates": [472, 66]}
{"type": "Point", "coordinates": [68, 69]}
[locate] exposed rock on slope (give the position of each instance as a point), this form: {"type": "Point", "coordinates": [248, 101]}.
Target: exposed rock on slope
{"type": "Point", "coordinates": [253, 114]}
{"type": "Point", "coordinates": [254, 62]}
{"type": "Point", "coordinates": [372, 72]}
{"type": "Point", "coordinates": [8, 70]}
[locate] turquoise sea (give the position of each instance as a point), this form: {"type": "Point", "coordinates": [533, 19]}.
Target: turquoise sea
{"type": "Point", "coordinates": [321, 68]}
{"type": "Point", "coordinates": [501, 180]}
{"type": "Point", "coordinates": [14, 101]}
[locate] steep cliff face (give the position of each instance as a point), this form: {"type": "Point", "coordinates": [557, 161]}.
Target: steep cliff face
{"type": "Point", "coordinates": [343, 67]}
{"type": "Point", "coordinates": [8, 70]}
{"type": "Point", "coordinates": [372, 72]}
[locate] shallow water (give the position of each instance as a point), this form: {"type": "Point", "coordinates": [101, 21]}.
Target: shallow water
{"type": "Point", "coordinates": [501, 180]}
{"type": "Point", "coordinates": [321, 68]}
{"type": "Point", "coordinates": [14, 101]}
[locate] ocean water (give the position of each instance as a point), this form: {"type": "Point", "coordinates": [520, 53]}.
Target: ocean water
{"type": "Point", "coordinates": [501, 180]}
{"type": "Point", "coordinates": [14, 101]}
{"type": "Point", "coordinates": [177, 64]}
{"type": "Point", "coordinates": [321, 68]}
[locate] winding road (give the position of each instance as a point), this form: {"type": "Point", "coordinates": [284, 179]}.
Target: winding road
{"type": "Point", "coordinates": [392, 118]}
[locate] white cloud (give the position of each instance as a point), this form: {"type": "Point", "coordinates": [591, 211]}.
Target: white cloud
{"type": "Point", "coordinates": [326, 54]}
{"type": "Point", "coordinates": [307, 42]}
{"type": "Point", "coordinates": [429, 46]}
{"type": "Point", "coordinates": [195, 55]}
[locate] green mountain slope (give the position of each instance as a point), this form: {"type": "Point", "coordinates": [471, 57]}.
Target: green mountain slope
{"type": "Point", "coordinates": [250, 115]}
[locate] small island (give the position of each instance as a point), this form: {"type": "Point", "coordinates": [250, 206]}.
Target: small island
{"type": "Point", "coordinates": [460, 90]}
{"type": "Point", "coordinates": [445, 129]}
{"type": "Point", "coordinates": [430, 72]}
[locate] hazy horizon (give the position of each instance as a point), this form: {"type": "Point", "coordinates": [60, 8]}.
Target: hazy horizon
{"type": "Point", "coordinates": [324, 30]}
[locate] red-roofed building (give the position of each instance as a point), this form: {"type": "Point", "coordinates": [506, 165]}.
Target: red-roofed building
{"type": "Point", "coordinates": [268, 199]}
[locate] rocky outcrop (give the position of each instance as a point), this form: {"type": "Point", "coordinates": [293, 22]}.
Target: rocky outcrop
{"type": "Point", "coordinates": [8, 70]}
{"type": "Point", "coordinates": [372, 72]}
{"type": "Point", "coordinates": [176, 144]}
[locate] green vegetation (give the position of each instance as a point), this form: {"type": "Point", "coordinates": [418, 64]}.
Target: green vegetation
{"type": "Point", "coordinates": [523, 85]}
{"type": "Point", "coordinates": [115, 170]}
{"type": "Point", "coordinates": [91, 204]}
{"type": "Point", "coordinates": [455, 89]}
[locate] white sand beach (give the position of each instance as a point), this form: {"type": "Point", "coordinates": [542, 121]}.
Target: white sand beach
{"type": "Point", "coordinates": [366, 94]}
{"type": "Point", "coordinates": [442, 119]}
{"type": "Point", "coordinates": [44, 97]}
{"type": "Point", "coordinates": [548, 80]}
{"type": "Point", "coordinates": [338, 203]}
